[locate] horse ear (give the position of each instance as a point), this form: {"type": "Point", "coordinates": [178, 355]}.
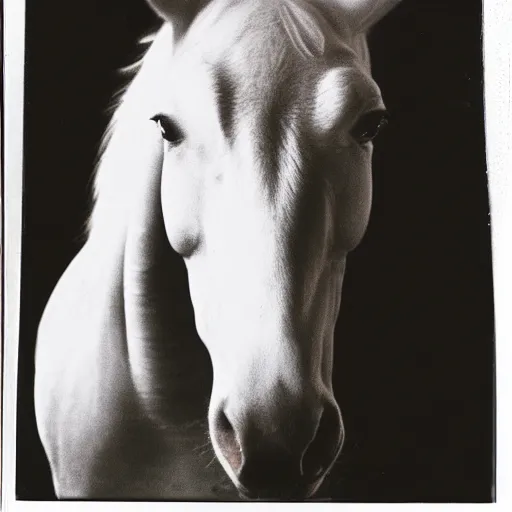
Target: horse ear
{"type": "Point", "coordinates": [180, 13]}
{"type": "Point", "coordinates": [365, 13]}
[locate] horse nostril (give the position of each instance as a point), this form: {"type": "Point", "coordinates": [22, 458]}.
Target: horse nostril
{"type": "Point", "coordinates": [275, 460]}
{"type": "Point", "coordinates": [324, 447]}
{"type": "Point", "coordinates": [228, 442]}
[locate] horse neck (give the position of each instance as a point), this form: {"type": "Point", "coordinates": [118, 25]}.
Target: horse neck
{"type": "Point", "coordinates": [171, 369]}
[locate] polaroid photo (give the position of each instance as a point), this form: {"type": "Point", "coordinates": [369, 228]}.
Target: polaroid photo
{"type": "Point", "coordinates": [247, 251]}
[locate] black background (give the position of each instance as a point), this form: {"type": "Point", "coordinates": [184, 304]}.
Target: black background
{"type": "Point", "coordinates": [414, 368]}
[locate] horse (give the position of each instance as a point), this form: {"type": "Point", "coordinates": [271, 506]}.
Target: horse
{"type": "Point", "coordinates": [187, 351]}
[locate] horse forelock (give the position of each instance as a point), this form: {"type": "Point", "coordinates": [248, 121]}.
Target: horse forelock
{"type": "Point", "coordinates": [303, 27]}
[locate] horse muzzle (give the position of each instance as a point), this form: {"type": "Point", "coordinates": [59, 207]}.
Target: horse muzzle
{"type": "Point", "coordinates": [278, 454]}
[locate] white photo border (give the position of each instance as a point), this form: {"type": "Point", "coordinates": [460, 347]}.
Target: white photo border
{"type": "Point", "coordinates": [497, 37]}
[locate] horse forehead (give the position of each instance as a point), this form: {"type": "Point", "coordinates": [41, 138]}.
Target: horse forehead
{"type": "Point", "coordinates": [223, 27]}
{"type": "Point", "coordinates": [256, 34]}
{"type": "Point", "coordinates": [239, 59]}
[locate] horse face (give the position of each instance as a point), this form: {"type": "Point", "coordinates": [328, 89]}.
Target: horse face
{"type": "Point", "coordinates": [267, 116]}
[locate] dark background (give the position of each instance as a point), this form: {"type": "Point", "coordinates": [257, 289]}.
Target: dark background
{"type": "Point", "coordinates": [414, 368]}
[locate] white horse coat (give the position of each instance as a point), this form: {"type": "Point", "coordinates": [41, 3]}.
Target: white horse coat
{"type": "Point", "coordinates": [241, 152]}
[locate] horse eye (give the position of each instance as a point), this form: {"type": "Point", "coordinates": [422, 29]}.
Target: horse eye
{"type": "Point", "coordinates": [369, 126]}
{"type": "Point", "coordinates": [170, 130]}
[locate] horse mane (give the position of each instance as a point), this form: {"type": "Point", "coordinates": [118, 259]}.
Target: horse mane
{"type": "Point", "coordinates": [115, 110]}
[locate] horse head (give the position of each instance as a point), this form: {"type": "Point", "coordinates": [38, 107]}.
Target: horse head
{"type": "Point", "coordinates": [267, 111]}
